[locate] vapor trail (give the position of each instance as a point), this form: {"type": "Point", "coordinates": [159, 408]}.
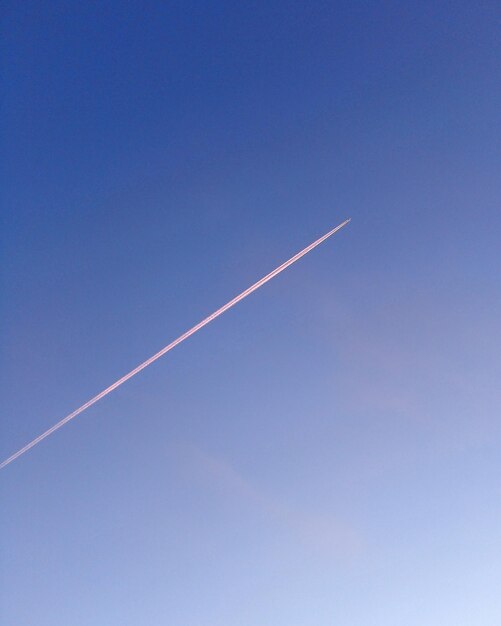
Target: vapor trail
{"type": "Point", "coordinates": [171, 345]}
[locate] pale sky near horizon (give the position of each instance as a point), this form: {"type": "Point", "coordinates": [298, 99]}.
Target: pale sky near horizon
{"type": "Point", "coordinates": [328, 452]}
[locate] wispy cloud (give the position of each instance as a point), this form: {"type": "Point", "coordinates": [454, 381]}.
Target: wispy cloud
{"type": "Point", "coordinates": [316, 531]}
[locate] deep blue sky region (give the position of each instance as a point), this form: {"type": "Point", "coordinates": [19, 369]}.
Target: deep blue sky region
{"type": "Point", "coordinates": [328, 452]}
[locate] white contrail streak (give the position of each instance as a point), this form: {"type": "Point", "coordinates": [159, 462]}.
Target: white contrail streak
{"type": "Point", "coordinates": [171, 345]}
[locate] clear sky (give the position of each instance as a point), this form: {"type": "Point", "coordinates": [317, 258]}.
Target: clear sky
{"type": "Point", "coordinates": [328, 452]}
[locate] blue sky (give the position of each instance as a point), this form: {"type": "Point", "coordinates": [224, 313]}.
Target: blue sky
{"type": "Point", "coordinates": [329, 451]}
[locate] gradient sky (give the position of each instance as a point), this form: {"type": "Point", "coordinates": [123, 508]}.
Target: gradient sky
{"type": "Point", "coordinates": [328, 452]}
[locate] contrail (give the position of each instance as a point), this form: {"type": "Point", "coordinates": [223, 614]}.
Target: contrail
{"type": "Point", "coordinates": [171, 345]}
